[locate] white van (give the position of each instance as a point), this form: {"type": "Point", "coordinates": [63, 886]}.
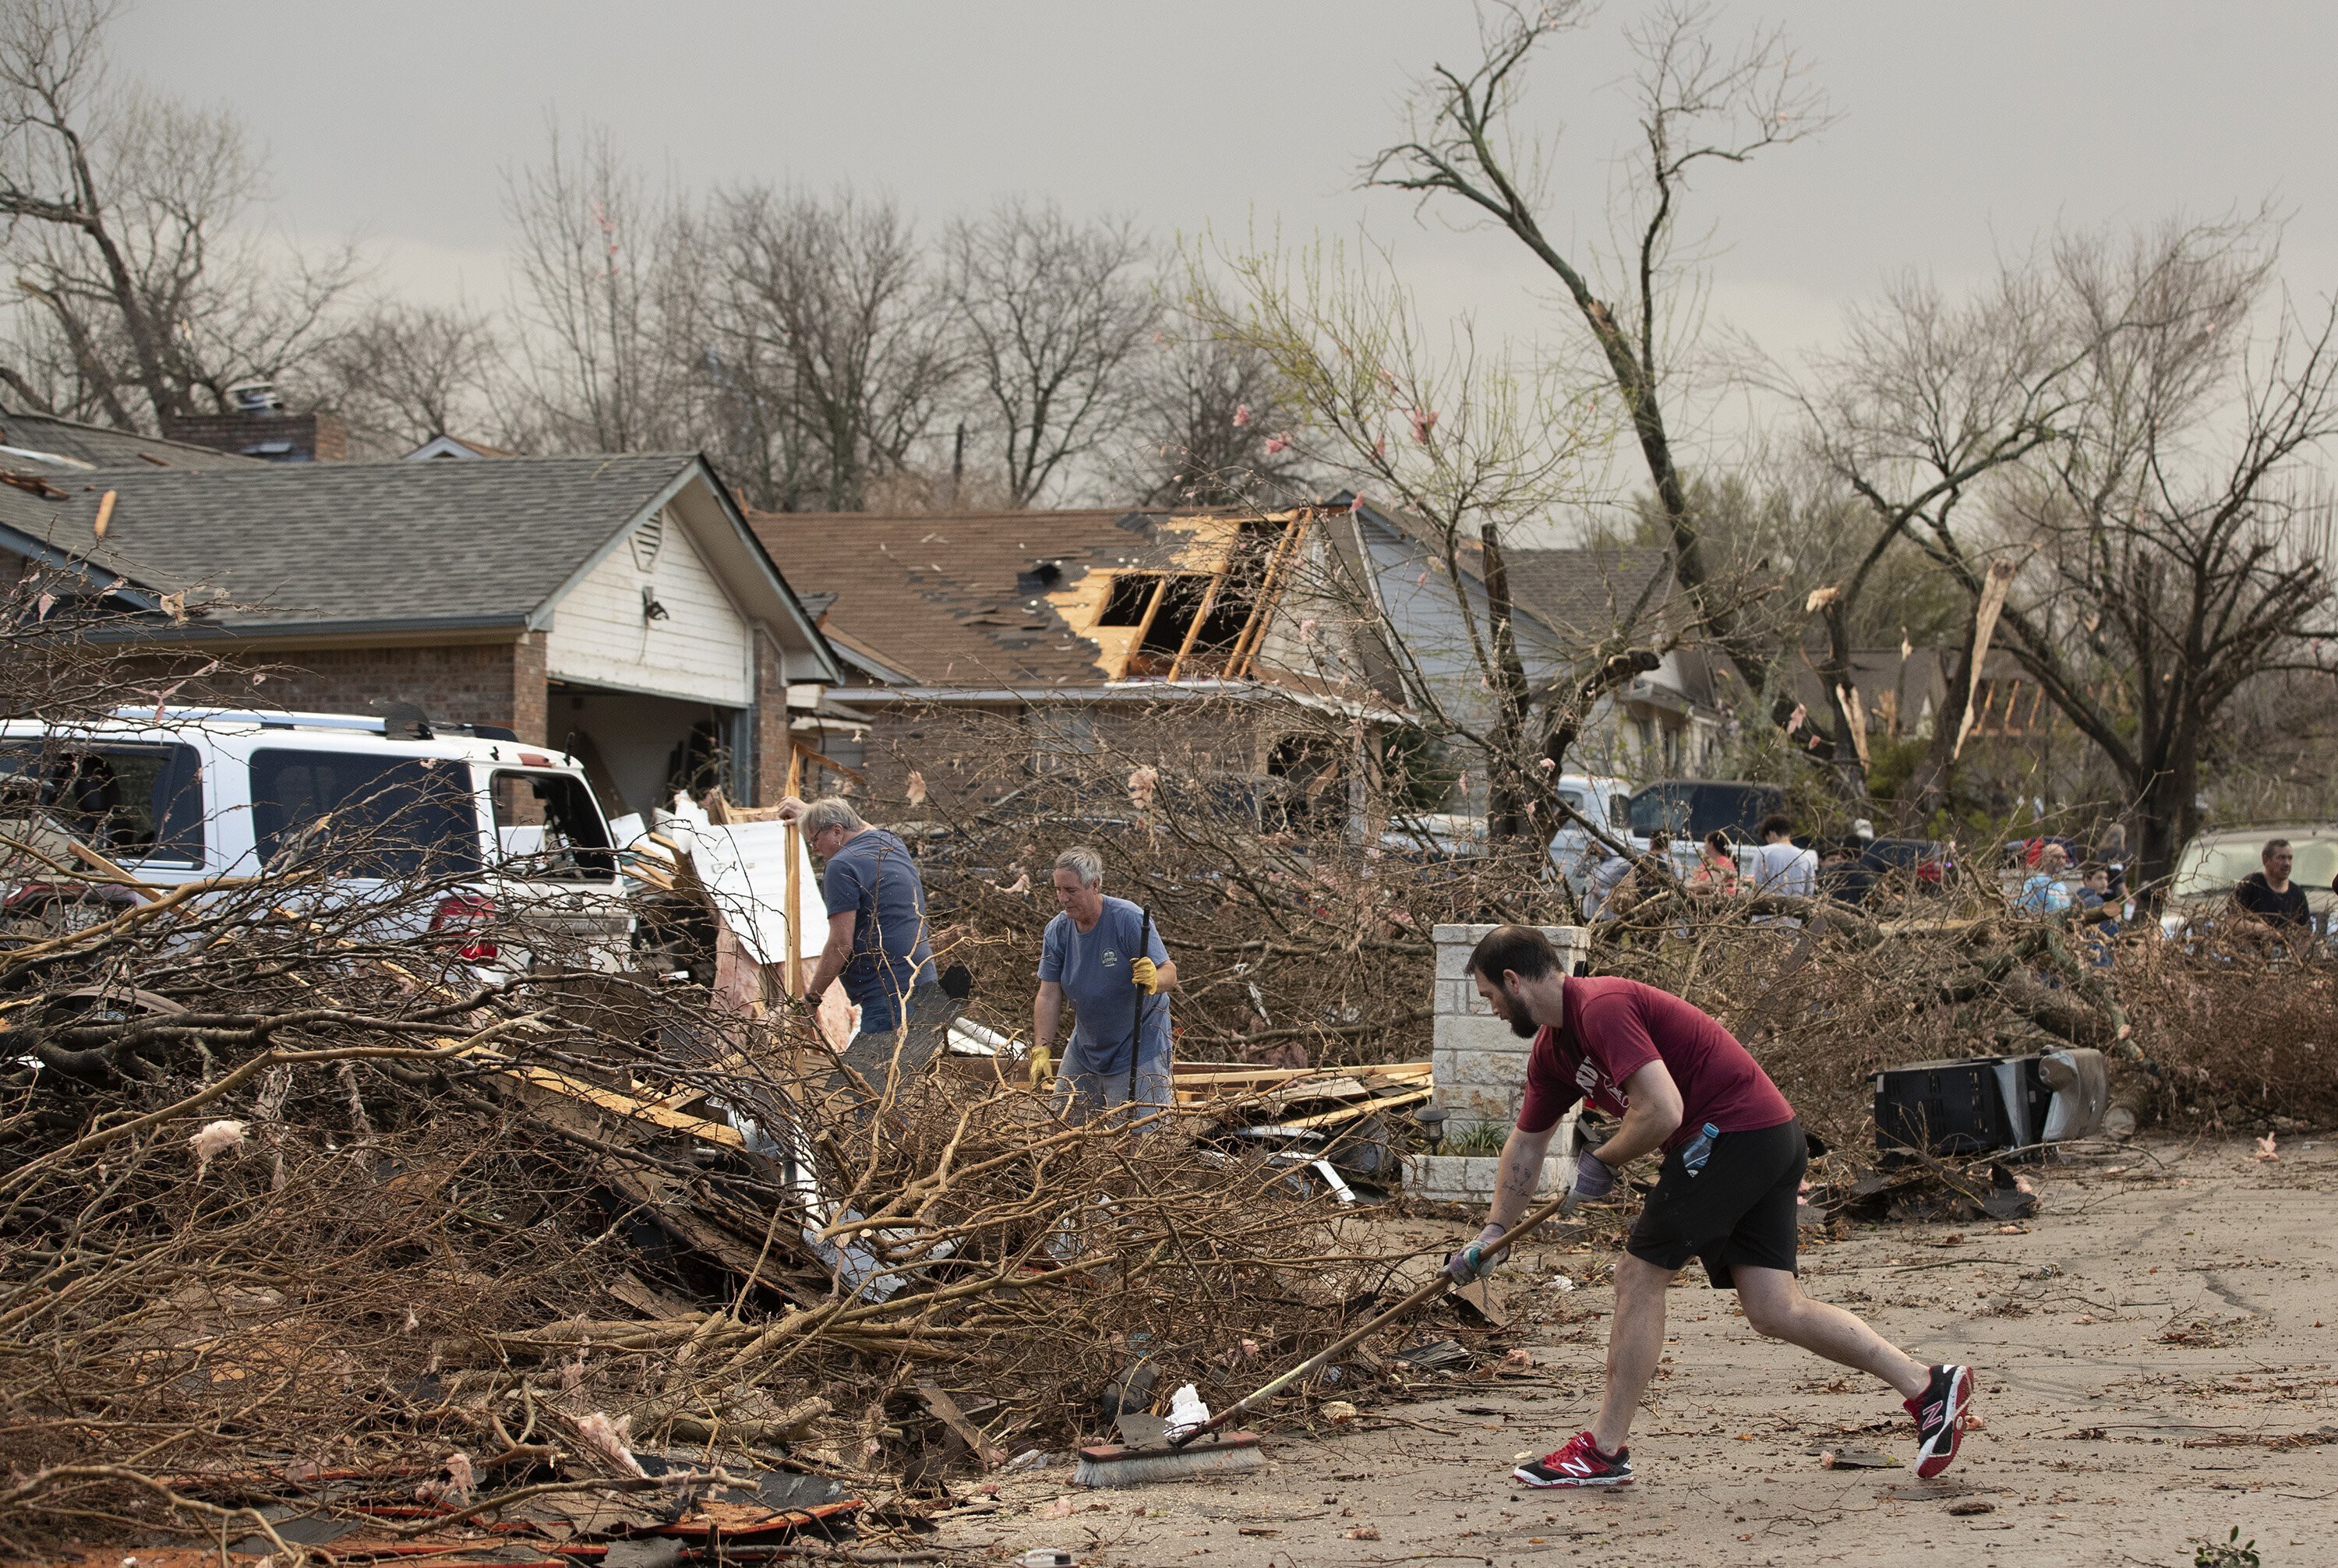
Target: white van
{"type": "Point", "coordinates": [503, 834]}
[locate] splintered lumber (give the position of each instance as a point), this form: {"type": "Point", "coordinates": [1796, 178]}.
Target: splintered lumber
{"type": "Point", "coordinates": [654, 1111]}
{"type": "Point", "coordinates": [1350, 1113]}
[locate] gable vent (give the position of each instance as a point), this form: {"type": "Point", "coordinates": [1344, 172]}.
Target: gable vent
{"type": "Point", "coordinates": [647, 540]}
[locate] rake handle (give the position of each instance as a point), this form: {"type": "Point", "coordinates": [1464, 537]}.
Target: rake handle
{"type": "Point", "coordinates": [1563, 1204]}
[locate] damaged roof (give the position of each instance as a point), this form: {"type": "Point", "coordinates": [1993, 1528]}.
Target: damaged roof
{"type": "Point", "coordinates": [1000, 599]}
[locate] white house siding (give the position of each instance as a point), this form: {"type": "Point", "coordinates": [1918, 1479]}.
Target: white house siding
{"type": "Point", "coordinates": [702, 649]}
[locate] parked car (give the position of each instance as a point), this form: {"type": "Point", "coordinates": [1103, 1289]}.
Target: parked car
{"type": "Point", "coordinates": [1689, 809]}
{"type": "Point", "coordinates": [2213, 864]}
{"type": "Point", "coordinates": [507, 838]}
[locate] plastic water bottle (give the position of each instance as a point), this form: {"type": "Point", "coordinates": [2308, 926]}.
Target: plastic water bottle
{"type": "Point", "coordinates": [1698, 1150]}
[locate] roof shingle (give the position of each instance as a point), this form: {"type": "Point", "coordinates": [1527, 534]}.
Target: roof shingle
{"type": "Point", "coordinates": [351, 544]}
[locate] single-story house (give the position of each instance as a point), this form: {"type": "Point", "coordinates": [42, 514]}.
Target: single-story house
{"type": "Point", "coordinates": [618, 607]}
{"type": "Point", "coordinates": [988, 648]}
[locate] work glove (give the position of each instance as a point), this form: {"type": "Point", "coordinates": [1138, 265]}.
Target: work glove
{"type": "Point", "coordinates": [1146, 974]}
{"type": "Point", "coordinates": [1473, 1261]}
{"type": "Point", "coordinates": [1594, 1177]}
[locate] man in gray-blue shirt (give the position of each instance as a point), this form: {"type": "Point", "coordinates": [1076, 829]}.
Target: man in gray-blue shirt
{"type": "Point", "coordinates": [877, 943]}
{"type": "Point", "coordinates": [1102, 954]}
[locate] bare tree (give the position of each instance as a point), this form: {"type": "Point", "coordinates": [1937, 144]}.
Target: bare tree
{"type": "Point", "coordinates": [1211, 425]}
{"type": "Point", "coordinates": [834, 301]}
{"type": "Point", "coordinates": [129, 234]}
{"type": "Point", "coordinates": [600, 288]}
{"type": "Point", "coordinates": [1053, 314]}
{"type": "Point", "coordinates": [405, 373]}
{"type": "Point", "coordinates": [1468, 445]}
{"type": "Point", "coordinates": [2174, 550]}
{"type": "Point", "coordinates": [1922, 405]}
{"type": "Point", "coordinates": [1697, 105]}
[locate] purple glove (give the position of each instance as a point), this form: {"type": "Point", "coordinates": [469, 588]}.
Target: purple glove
{"type": "Point", "coordinates": [1594, 1177]}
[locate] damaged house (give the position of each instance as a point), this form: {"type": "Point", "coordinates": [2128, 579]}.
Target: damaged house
{"type": "Point", "coordinates": [1058, 636]}
{"type": "Point", "coordinates": [1569, 605]}
{"type": "Point", "coordinates": [989, 648]}
{"type": "Point", "coordinates": [617, 606]}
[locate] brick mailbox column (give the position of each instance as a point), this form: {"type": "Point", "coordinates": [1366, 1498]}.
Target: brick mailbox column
{"type": "Point", "coordinates": [1477, 1065]}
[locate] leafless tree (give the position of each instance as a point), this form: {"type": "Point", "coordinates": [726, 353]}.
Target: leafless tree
{"type": "Point", "coordinates": [600, 289]}
{"type": "Point", "coordinates": [1924, 402]}
{"type": "Point", "coordinates": [1211, 423]}
{"type": "Point", "coordinates": [405, 373]}
{"type": "Point", "coordinates": [1698, 105]}
{"type": "Point", "coordinates": [1468, 444]}
{"type": "Point", "coordinates": [2174, 549]}
{"type": "Point", "coordinates": [835, 302]}
{"type": "Point", "coordinates": [149, 293]}
{"type": "Point", "coordinates": [1053, 314]}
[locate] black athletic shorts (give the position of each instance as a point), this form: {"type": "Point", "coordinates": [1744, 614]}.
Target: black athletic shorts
{"type": "Point", "coordinates": [1741, 1209]}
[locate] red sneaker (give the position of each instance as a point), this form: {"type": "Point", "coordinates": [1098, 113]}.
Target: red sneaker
{"type": "Point", "coordinates": [1580, 1463]}
{"type": "Point", "coordinates": [1940, 1416]}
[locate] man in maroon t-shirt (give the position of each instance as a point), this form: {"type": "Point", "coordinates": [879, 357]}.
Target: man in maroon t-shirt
{"type": "Point", "coordinates": [1726, 1191]}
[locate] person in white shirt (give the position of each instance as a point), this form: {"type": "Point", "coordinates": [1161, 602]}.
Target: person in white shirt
{"type": "Point", "coordinates": [1780, 869]}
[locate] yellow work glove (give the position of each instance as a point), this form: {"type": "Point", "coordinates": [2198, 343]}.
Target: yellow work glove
{"type": "Point", "coordinates": [1146, 974]}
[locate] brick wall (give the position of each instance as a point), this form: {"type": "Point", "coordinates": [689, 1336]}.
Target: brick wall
{"type": "Point", "coordinates": [529, 660]}
{"type": "Point", "coordinates": [969, 754]}
{"type": "Point", "coordinates": [306, 437]}
{"type": "Point", "coordinates": [462, 682]}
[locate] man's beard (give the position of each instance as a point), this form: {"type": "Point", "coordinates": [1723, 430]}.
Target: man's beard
{"type": "Point", "coordinates": [1524, 1028]}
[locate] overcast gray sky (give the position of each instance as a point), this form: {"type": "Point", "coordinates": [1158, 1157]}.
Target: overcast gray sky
{"type": "Point", "coordinates": [1966, 127]}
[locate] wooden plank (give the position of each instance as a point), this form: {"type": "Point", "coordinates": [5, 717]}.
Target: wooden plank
{"type": "Point", "coordinates": [1211, 1072]}
{"type": "Point", "coordinates": [946, 1410]}
{"type": "Point", "coordinates": [1144, 625]}
{"type": "Point", "coordinates": [1201, 613]}
{"type": "Point", "coordinates": [1350, 1113]}
{"type": "Point", "coordinates": [792, 971]}
{"type": "Point", "coordinates": [721, 1133]}
{"type": "Point", "coordinates": [1262, 613]}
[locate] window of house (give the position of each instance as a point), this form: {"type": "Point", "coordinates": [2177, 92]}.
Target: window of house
{"type": "Point", "coordinates": [128, 802]}
{"type": "Point", "coordinates": [367, 815]}
{"type": "Point", "coordinates": [548, 828]}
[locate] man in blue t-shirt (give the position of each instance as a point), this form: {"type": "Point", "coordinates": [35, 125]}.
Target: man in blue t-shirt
{"type": "Point", "coordinates": [1102, 953]}
{"type": "Point", "coordinates": [876, 942]}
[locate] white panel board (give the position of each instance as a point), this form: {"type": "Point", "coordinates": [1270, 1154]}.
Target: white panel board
{"type": "Point", "coordinates": [702, 648]}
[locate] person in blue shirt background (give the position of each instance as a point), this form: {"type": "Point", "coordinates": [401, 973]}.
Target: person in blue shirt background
{"type": "Point", "coordinates": [877, 940]}
{"type": "Point", "coordinates": [1100, 953]}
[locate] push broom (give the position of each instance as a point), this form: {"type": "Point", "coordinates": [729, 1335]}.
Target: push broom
{"type": "Point", "coordinates": [1150, 1454]}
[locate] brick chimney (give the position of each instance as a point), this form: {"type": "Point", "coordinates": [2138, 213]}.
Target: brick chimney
{"type": "Point", "coordinates": [261, 428]}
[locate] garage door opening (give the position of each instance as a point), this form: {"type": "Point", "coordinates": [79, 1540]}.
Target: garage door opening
{"type": "Point", "coordinates": [639, 751]}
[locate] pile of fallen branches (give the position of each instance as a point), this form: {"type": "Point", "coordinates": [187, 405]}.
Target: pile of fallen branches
{"type": "Point", "coordinates": [2240, 1039]}
{"type": "Point", "coordinates": [304, 1203]}
{"type": "Point", "coordinates": [284, 1196]}
{"type": "Point", "coordinates": [1299, 909]}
